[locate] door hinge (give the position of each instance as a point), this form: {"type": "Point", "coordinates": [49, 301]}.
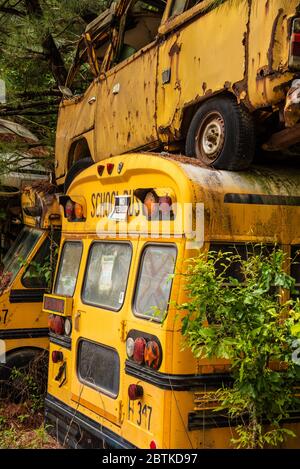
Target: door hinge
{"type": "Point", "coordinates": [123, 331]}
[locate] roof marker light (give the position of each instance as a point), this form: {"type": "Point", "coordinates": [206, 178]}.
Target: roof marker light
{"type": "Point", "coordinates": [100, 169]}
{"type": "Point", "coordinates": [110, 167]}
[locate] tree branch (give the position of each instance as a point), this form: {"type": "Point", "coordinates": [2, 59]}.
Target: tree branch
{"type": "Point", "coordinates": [11, 11]}
{"type": "Point", "coordinates": [50, 49]}
{"type": "Point", "coordinates": [29, 113]}
{"type": "Point", "coordinates": [30, 105]}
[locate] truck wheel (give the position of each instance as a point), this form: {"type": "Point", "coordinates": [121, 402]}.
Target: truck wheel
{"type": "Point", "coordinates": [221, 135]}
{"type": "Point", "coordinates": [77, 167]}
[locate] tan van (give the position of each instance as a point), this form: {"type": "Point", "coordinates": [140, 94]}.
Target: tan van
{"type": "Point", "coordinates": [197, 77]}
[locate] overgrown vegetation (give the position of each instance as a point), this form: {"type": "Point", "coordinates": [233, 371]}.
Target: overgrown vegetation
{"type": "Point", "coordinates": [237, 310]}
{"type": "Point", "coordinates": [22, 410]}
{"type": "Point", "coordinates": [38, 40]}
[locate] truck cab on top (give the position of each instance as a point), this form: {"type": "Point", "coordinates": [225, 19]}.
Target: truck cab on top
{"type": "Point", "coordinates": [209, 79]}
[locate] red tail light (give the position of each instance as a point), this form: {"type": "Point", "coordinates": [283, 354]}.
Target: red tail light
{"type": "Point", "coordinates": [139, 349]}
{"type": "Point", "coordinates": [51, 322]}
{"type": "Point", "coordinates": [152, 445]}
{"type": "Point", "coordinates": [57, 356]}
{"type": "Point", "coordinates": [58, 325]}
{"type": "Point", "coordinates": [110, 167]}
{"type": "Point", "coordinates": [100, 169]}
{"type": "Point", "coordinates": [135, 391]}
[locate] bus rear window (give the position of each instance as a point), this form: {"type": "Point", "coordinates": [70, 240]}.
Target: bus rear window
{"type": "Point", "coordinates": [154, 285]}
{"type": "Point", "coordinates": [99, 367]}
{"type": "Point", "coordinates": [68, 268]}
{"type": "Point", "coordinates": [106, 275]}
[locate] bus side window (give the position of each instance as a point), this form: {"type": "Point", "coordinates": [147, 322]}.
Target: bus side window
{"type": "Point", "coordinates": [154, 285]}
{"type": "Point", "coordinates": [36, 275]}
{"type": "Point", "coordinates": [232, 267]}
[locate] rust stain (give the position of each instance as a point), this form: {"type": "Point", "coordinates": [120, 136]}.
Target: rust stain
{"type": "Point", "coordinates": [241, 87]}
{"type": "Point", "coordinates": [273, 40]}
{"type": "Point", "coordinates": [267, 6]}
{"type": "Point", "coordinates": [175, 49]}
{"type": "Point", "coordinates": [204, 87]}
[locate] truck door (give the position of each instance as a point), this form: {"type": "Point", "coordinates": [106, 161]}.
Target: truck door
{"type": "Point", "coordinates": [126, 110]}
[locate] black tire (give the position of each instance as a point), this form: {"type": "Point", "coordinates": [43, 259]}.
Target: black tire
{"type": "Point", "coordinates": [77, 167]}
{"type": "Point", "coordinates": [222, 135]}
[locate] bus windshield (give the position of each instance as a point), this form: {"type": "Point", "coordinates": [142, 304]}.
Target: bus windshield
{"type": "Point", "coordinates": [19, 251]}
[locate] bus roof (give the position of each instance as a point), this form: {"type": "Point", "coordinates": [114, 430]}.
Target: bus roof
{"type": "Point", "coordinates": [256, 205]}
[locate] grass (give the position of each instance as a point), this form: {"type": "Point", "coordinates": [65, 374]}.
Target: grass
{"type": "Point", "coordinates": [23, 427]}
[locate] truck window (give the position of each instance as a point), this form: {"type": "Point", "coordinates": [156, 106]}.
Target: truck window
{"type": "Point", "coordinates": [154, 285]}
{"type": "Point", "coordinates": [106, 275]}
{"type": "Point", "coordinates": [99, 367]}
{"type": "Point", "coordinates": [68, 268]}
{"type": "Point", "coordinates": [19, 251]}
{"type": "Point", "coordinates": [141, 28]}
{"type": "Point", "coordinates": [179, 6]}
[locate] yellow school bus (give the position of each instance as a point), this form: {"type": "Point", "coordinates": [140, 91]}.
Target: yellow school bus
{"type": "Point", "coordinates": [118, 374]}
{"type": "Point", "coordinates": [200, 78]}
{"type": "Point", "coordinates": [24, 279]}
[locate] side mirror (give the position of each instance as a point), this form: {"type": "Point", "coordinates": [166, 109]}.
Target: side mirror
{"type": "Point", "coordinates": [65, 91]}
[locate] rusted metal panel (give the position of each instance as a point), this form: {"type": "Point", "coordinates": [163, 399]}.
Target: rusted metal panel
{"type": "Point", "coordinates": [283, 139]}
{"type": "Point", "coordinates": [126, 110]}
{"type": "Point", "coordinates": [200, 57]}
{"type": "Point", "coordinates": [76, 117]}
{"type": "Point", "coordinates": [268, 48]}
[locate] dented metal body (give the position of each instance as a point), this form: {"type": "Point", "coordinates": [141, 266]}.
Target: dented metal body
{"type": "Point", "coordinates": [210, 210]}
{"type": "Point", "coordinates": [147, 101]}
{"type": "Point", "coordinates": [23, 325]}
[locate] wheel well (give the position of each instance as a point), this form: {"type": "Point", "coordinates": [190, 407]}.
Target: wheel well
{"type": "Point", "coordinates": [190, 110]}
{"type": "Point", "coordinates": [79, 149]}
{"type": "Point", "coordinates": [25, 349]}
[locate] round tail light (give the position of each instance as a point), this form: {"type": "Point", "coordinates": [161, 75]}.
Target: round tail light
{"type": "Point", "coordinates": [152, 354]}
{"type": "Point", "coordinates": [165, 204]}
{"type": "Point", "coordinates": [68, 326]}
{"type": "Point", "coordinates": [57, 356]}
{"type": "Point", "coordinates": [153, 445]}
{"type": "Point", "coordinates": [139, 349]}
{"type": "Point", "coordinates": [135, 391]}
{"type": "Point", "coordinates": [58, 325]}
{"type": "Point", "coordinates": [51, 318]}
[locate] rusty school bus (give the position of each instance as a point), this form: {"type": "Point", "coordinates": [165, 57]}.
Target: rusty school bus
{"type": "Point", "coordinates": [118, 374]}
{"type": "Point", "coordinates": [23, 325]}
{"type": "Point", "coordinates": [199, 78]}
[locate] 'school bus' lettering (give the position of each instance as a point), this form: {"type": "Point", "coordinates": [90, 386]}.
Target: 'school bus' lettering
{"type": "Point", "coordinates": [103, 202]}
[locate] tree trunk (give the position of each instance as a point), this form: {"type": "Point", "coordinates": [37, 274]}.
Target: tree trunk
{"type": "Point", "coordinates": [50, 49]}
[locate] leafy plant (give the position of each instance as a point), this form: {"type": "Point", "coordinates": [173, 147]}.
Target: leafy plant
{"type": "Point", "coordinates": [247, 322]}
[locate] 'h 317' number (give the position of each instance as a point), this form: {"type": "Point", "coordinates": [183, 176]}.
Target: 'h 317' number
{"type": "Point", "coordinates": [140, 414]}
